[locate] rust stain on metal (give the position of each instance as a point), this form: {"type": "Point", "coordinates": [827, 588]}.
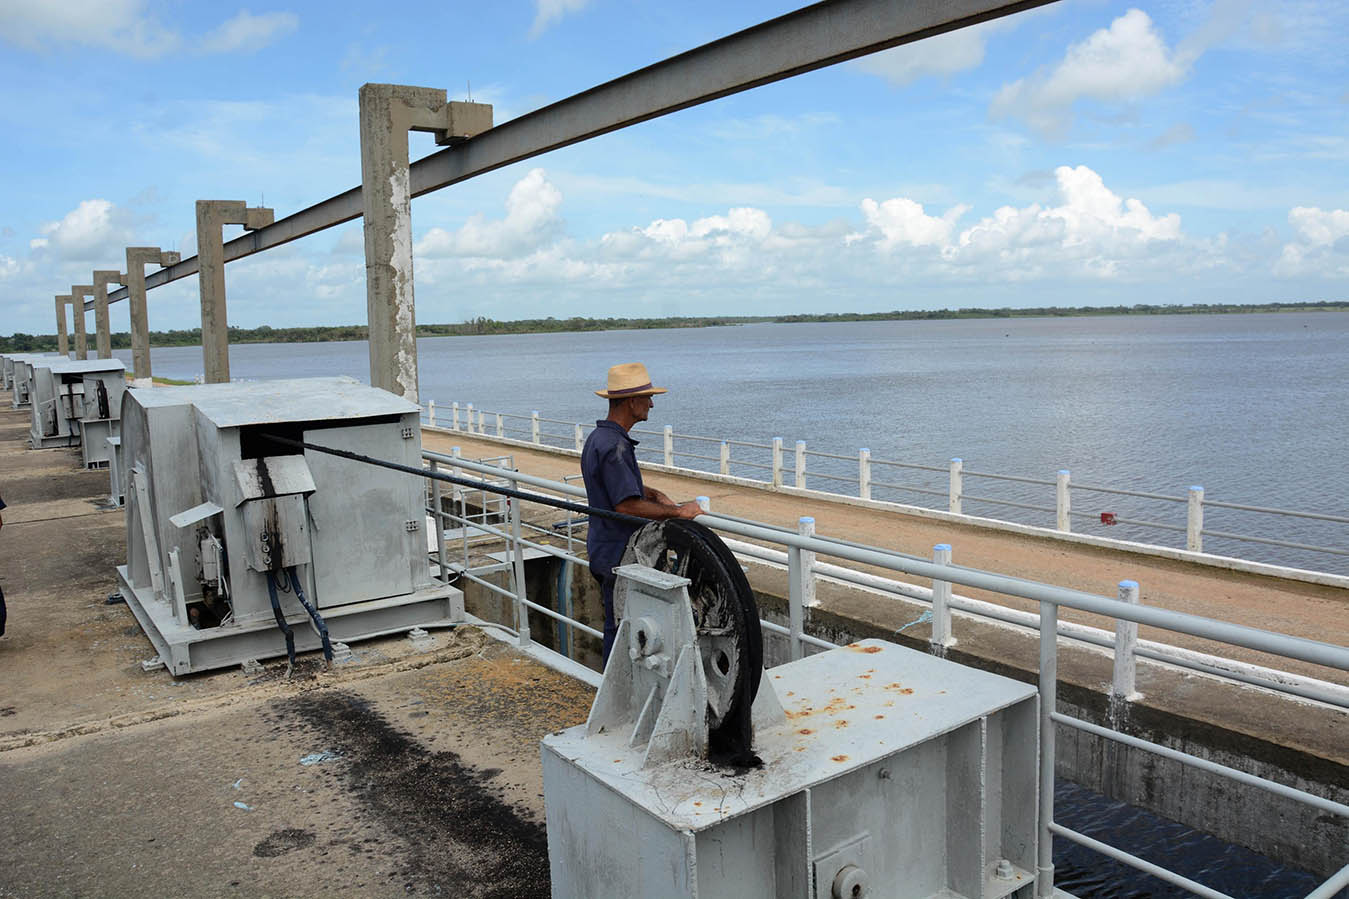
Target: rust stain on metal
{"type": "Point", "coordinates": [840, 758]}
{"type": "Point", "coordinates": [841, 723]}
{"type": "Point", "coordinates": [879, 717]}
{"type": "Point", "coordinates": [867, 649]}
{"type": "Point", "coordinates": [806, 731]}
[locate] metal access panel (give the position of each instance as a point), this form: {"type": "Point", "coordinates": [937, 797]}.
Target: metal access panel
{"type": "Point", "coordinates": [367, 557]}
{"type": "Point", "coordinates": [896, 775]}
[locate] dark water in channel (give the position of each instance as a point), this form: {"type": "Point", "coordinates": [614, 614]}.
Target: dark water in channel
{"type": "Point", "coordinates": [1252, 407]}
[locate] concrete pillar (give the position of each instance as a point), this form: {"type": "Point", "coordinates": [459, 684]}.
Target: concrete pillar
{"type": "Point", "coordinates": [864, 473]}
{"type": "Point", "coordinates": [1063, 501]}
{"type": "Point", "coordinates": [212, 215]}
{"type": "Point", "coordinates": [77, 294]}
{"type": "Point", "coordinates": [102, 327]}
{"type": "Point", "coordinates": [1194, 521]}
{"type": "Point", "coordinates": [62, 340]}
{"type": "Point", "coordinates": [956, 489]}
{"type": "Point", "coordinates": [137, 258]}
{"type": "Point", "coordinates": [388, 113]}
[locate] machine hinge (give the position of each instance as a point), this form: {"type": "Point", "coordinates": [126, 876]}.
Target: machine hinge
{"type": "Point", "coordinates": [412, 525]}
{"type": "Point", "coordinates": [407, 433]}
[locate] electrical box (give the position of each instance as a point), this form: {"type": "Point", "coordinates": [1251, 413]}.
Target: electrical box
{"type": "Point", "coordinates": [215, 506]}
{"type": "Point", "coordinates": [888, 773]}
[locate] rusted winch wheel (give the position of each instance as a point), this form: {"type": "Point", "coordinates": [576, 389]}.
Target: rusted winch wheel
{"type": "Point", "coordinates": [724, 613]}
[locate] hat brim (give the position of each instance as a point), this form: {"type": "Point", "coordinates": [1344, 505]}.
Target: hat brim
{"type": "Point", "coordinates": [650, 391]}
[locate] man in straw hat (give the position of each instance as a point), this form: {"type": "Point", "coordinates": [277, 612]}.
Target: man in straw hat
{"type": "Point", "coordinates": [613, 481]}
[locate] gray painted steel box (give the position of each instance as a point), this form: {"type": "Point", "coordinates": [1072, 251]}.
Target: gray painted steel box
{"type": "Point", "coordinates": [919, 771]}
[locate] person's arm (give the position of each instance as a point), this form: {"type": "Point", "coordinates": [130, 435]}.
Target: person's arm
{"type": "Point", "coordinates": [657, 497]}
{"type": "Point", "coordinates": [656, 511]}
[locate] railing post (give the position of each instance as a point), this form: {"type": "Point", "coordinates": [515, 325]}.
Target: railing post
{"type": "Point", "coordinates": [501, 425]}
{"type": "Point", "coordinates": [534, 426]}
{"type": "Point", "coordinates": [1122, 684]}
{"type": "Point", "coordinates": [469, 416]}
{"type": "Point", "coordinates": [703, 503]}
{"type": "Point", "coordinates": [518, 568]}
{"type": "Point", "coordinates": [941, 605]}
{"type": "Point", "coordinates": [801, 464]}
{"type": "Point", "coordinates": [1063, 503]}
{"type": "Point", "coordinates": [578, 437]}
{"type": "Point", "coordinates": [454, 416]}
{"type": "Point", "coordinates": [956, 490]}
{"type": "Point", "coordinates": [777, 462]}
{"type": "Point", "coordinates": [1194, 521]}
{"type": "Point", "coordinates": [806, 528]}
{"type": "Point", "coordinates": [864, 473]}
{"type": "Point", "coordinates": [725, 457]}
{"type": "Point", "coordinates": [668, 434]}
{"type": "Point", "coordinates": [439, 516]}
{"type": "Point", "coordinates": [1049, 673]}
{"type": "Point", "coordinates": [800, 588]}
{"type": "Point", "coordinates": [431, 413]}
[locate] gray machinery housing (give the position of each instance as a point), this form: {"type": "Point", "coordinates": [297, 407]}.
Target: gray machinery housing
{"type": "Point", "coordinates": [19, 375]}
{"type": "Point", "coordinates": [214, 509]}
{"type": "Point", "coordinates": [77, 403]}
{"type": "Point", "coordinates": [887, 773]}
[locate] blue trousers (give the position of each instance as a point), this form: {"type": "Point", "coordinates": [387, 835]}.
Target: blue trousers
{"type": "Point", "coordinates": [610, 625]}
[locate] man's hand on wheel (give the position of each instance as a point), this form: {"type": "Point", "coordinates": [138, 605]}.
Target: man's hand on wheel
{"type": "Point", "coordinates": [689, 510]}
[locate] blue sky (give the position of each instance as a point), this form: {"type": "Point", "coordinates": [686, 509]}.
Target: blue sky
{"type": "Point", "coordinates": [1087, 153]}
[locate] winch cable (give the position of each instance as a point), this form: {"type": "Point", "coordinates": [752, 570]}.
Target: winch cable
{"type": "Point", "coordinates": [463, 482]}
{"type": "Point", "coordinates": [281, 620]}
{"type": "Point", "coordinates": [319, 624]}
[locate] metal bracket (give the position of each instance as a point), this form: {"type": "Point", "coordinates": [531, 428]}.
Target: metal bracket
{"type": "Point", "coordinates": [412, 525]}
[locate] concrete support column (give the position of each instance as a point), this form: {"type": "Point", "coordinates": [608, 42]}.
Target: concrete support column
{"type": "Point", "coordinates": [776, 478]}
{"type": "Point", "coordinates": [388, 113]}
{"type": "Point", "coordinates": [955, 489]}
{"type": "Point", "coordinates": [77, 294]}
{"type": "Point", "coordinates": [102, 327]}
{"type": "Point", "coordinates": [668, 435]}
{"type": "Point", "coordinates": [1194, 521]}
{"type": "Point", "coordinates": [62, 338]}
{"type": "Point", "coordinates": [212, 215]}
{"type": "Point", "coordinates": [864, 473]}
{"type": "Point", "coordinates": [725, 457]}
{"type": "Point", "coordinates": [137, 258]}
{"type": "Point", "coordinates": [1063, 501]}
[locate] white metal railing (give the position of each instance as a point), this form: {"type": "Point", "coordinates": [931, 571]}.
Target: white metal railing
{"type": "Point", "coordinates": [800, 549]}
{"type": "Point", "coordinates": [867, 478]}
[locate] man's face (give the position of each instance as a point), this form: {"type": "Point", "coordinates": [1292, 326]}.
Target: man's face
{"type": "Point", "coordinates": [640, 407]}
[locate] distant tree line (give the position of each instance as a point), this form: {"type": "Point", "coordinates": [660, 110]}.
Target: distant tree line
{"type": "Point", "coordinates": [20, 342]}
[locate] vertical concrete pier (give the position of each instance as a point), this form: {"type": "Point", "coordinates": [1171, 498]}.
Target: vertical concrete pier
{"type": "Point", "coordinates": [62, 338]}
{"type": "Point", "coordinates": [388, 113]}
{"type": "Point", "coordinates": [102, 327]}
{"type": "Point", "coordinates": [77, 294]}
{"type": "Point", "coordinates": [212, 215]}
{"type": "Point", "coordinates": [137, 258]}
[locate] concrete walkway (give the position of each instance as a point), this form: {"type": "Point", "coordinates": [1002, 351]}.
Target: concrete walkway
{"type": "Point", "coordinates": [1302, 609]}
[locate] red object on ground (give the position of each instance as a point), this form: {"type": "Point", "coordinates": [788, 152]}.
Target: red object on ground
{"type": "Point", "coordinates": [1107, 518]}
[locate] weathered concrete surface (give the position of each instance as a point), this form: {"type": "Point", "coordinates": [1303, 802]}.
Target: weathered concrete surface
{"type": "Point", "coordinates": [102, 325]}
{"type": "Point", "coordinates": [388, 113]}
{"type": "Point", "coordinates": [212, 215]}
{"type": "Point", "coordinates": [137, 258]}
{"type": "Point", "coordinates": [77, 294]}
{"type": "Point", "coordinates": [120, 782]}
{"type": "Point", "coordinates": [62, 336]}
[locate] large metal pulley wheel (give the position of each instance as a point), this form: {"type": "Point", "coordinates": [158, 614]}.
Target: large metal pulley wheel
{"type": "Point", "coordinates": [724, 614]}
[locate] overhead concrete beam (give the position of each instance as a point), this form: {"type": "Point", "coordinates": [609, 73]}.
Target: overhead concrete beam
{"type": "Point", "coordinates": [77, 294]}
{"type": "Point", "coordinates": [212, 215]}
{"type": "Point", "coordinates": [137, 258]}
{"type": "Point", "coordinates": [388, 113]}
{"type": "Point", "coordinates": [817, 36]}
{"type": "Point", "coordinates": [102, 327]}
{"type": "Point", "coordinates": [62, 338]}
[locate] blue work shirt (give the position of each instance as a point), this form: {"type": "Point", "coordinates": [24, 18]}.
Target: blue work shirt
{"type": "Point", "coordinates": [609, 467]}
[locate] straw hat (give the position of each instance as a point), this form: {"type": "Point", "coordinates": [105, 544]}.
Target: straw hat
{"type": "Point", "coordinates": [629, 379]}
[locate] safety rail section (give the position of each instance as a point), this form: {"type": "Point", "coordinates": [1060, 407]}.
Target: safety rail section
{"type": "Point", "coordinates": [799, 551]}
{"type": "Point", "coordinates": [939, 486]}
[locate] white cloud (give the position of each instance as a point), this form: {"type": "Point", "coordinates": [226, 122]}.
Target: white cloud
{"type": "Point", "coordinates": [1320, 245]}
{"type": "Point", "coordinates": [248, 32]}
{"type": "Point", "coordinates": [95, 231]}
{"type": "Point", "coordinates": [550, 11]}
{"type": "Point", "coordinates": [121, 26]}
{"type": "Point", "coordinates": [943, 55]}
{"type": "Point", "coordinates": [902, 221]}
{"type": "Point", "coordinates": [531, 219]}
{"type": "Point", "coordinates": [1121, 64]}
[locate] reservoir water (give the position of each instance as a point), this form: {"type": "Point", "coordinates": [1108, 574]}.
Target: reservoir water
{"type": "Point", "coordinates": [1252, 407]}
